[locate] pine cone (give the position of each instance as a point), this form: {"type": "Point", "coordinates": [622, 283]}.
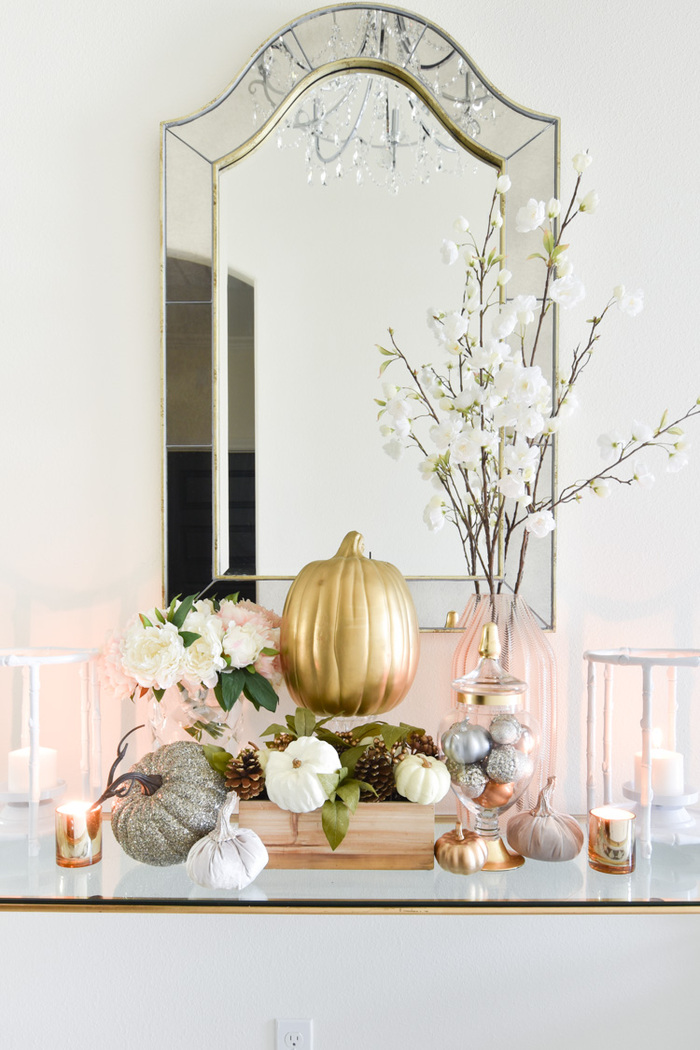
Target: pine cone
{"type": "Point", "coordinates": [422, 745]}
{"type": "Point", "coordinates": [376, 768]}
{"type": "Point", "coordinates": [280, 742]}
{"type": "Point", "coordinates": [245, 775]}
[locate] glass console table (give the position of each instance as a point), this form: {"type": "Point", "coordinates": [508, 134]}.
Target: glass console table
{"type": "Point", "coordinates": [666, 882]}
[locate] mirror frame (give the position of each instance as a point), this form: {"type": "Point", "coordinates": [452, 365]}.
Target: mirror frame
{"type": "Point", "coordinates": [213, 149]}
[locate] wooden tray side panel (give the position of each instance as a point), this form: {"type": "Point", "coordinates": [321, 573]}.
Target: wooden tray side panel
{"type": "Point", "coordinates": [383, 835]}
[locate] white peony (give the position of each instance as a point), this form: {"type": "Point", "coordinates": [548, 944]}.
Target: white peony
{"type": "Point", "coordinates": [530, 216]}
{"type": "Point", "coordinates": [540, 524]}
{"type": "Point", "coordinates": [153, 655]}
{"type": "Point", "coordinates": [243, 643]}
{"type": "Point", "coordinates": [203, 659]}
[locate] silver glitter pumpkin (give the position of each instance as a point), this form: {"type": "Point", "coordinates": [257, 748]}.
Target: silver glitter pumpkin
{"type": "Point", "coordinates": [160, 829]}
{"type": "Point", "coordinates": [466, 743]}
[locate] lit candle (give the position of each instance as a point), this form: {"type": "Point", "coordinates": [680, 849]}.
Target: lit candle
{"type": "Point", "coordinates": [78, 834]}
{"type": "Point", "coordinates": [18, 770]}
{"type": "Point", "coordinates": [611, 840]}
{"type": "Point", "coordinates": [666, 772]}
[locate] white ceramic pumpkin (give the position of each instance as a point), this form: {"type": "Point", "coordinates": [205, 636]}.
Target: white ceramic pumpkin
{"type": "Point", "coordinates": [290, 775]}
{"type": "Point", "coordinates": [422, 779]}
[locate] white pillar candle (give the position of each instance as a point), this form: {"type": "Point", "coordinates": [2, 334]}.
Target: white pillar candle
{"type": "Point", "coordinates": [666, 772]}
{"type": "Point", "coordinates": [18, 770]}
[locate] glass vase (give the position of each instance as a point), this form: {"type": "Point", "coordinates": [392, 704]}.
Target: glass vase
{"type": "Point", "coordinates": [526, 654]}
{"type": "Point", "coordinates": [181, 716]}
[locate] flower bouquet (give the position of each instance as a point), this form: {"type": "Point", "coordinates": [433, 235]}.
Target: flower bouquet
{"type": "Point", "coordinates": [211, 652]}
{"type": "Point", "coordinates": [484, 417]}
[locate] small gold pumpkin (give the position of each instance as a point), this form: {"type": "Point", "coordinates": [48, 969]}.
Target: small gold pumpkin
{"type": "Point", "coordinates": [349, 637]}
{"type": "Point", "coordinates": [459, 853]}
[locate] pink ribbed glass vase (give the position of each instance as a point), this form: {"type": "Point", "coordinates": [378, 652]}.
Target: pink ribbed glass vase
{"type": "Point", "coordinates": [525, 653]}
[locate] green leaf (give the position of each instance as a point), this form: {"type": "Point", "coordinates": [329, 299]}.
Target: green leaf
{"type": "Point", "coordinates": [158, 693]}
{"type": "Point", "coordinates": [676, 431]}
{"type": "Point", "coordinates": [274, 729]}
{"type": "Point", "coordinates": [371, 729]}
{"type": "Point", "coordinates": [548, 241]}
{"type": "Point", "coordinates": [349, 758]}
{"type": "Point", "coordinates": [159, 616]}
{"type": "Point", "coordinates": [217, 757]}
{"type": "Point", "coordinates": [350, 794]}
{"type": "Point", "coordinates": [232, 597]}
{"type": "Point", "coordinates": [182, 610]}
{"type": "Point", "coordinates": [304, 721]}
{"type": "Point", "coordinates": [329, 782]}
{"type": "Point", "coordinates": [392, 734]}
{"type": "Point", "coordinates": [228, 688]}
{"type": "Point", "coordinates": [260, 691]}
{"type": "Point", "coordinates": [335, 820]}
{"type": "Point", "coordinates": [171, 608]}
{"type": "Point", "coordinates": [365, 788]}
{"type": "Point", "coordinates": [331, 738]}
{"type": "Point", "coordinates": [144, 620]}
{"type": "Point", "coordinates": [269, 652]}
{"type": "Point", "coordinates": [538, 255]}
{"type": "Point", "coordinates": [189, 637]}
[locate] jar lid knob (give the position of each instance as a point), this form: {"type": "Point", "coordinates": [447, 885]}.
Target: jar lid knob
{"type": "Point", "coordinates": [490, 647]}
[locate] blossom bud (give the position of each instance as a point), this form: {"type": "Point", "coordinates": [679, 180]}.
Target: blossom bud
{"type": "Point", "coordinates": [503, 277]}
{"type": "Point", "coordinates": [503, 184]}
{"type": "Point", "coordinates": [581, 162]}
{"type": "Point", "coordinates": [461, 224]}
{"type": "Point", "coordinates": [590, 202]}
{"type": "Point", "coordinates": [497, 220]}
{"type": "Point", "coordinates": [553, 208]}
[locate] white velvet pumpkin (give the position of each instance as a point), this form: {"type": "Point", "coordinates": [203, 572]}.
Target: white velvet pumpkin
{"type": "Point", "coordinates": [290, 775]}
{"type": "Point", "coordinates": [422, 779]}
{"type": "Point", "coordinates": [544, 834]}
{"type": "Point", "coordinates": [227, 858]}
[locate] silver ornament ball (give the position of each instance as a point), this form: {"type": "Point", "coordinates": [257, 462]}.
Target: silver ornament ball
{"type": "Point", "coordinates": [466, 743]}
{"type": "Point", "coordinates": [505, 729]}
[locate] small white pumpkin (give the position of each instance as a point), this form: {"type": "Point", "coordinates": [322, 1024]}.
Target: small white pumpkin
{"type": "Point", "coordinates": [227, 858]}
{"type": "Point", "coordinates": [290, 775]}
{"type": "Point", "coordinates": [422, 779]}
{"type": "Point", "coordinates": [544, 834]}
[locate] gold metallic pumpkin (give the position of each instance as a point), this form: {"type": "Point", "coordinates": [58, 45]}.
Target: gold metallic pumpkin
{"type": "Point", "coordinates": [459, 853]}
{"type": "Point", "coordinates": [349, 637]}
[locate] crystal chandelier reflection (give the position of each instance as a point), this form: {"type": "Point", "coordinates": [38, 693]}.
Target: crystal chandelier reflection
{"type": "Point", "coordinates": [367, 126]}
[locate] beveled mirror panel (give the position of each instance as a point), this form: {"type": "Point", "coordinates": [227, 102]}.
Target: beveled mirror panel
{"type": "Point", "coordinates": [282, 272]}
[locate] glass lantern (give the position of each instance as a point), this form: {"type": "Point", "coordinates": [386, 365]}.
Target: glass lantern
{"type": "Point", "coordinates": [490, 747]}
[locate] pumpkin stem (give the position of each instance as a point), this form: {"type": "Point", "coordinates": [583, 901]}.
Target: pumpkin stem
{"type": "Point", "coordinates": [352, 545]}
{"type": "Point", "coordinates": [122, 785]}
{"type": "Point", "coordinates": [543, 806]}
{"type": "Point", "coordinates": [296, 763]}
{"type": "Point", "coordinates": [458, 831]}
{"type": "Point", "coordinates": [426, 764]}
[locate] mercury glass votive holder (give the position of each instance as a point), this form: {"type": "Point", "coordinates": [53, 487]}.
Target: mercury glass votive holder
{"type": "Point", "coordinates": [611, 840]}
{"type": "Point", "coordinates": [78, 834]}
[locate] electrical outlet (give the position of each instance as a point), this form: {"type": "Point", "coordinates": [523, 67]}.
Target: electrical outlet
{"type": "Point", "coordinates": [294, 1035]}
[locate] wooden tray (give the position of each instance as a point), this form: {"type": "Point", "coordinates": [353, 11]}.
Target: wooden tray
{"type": "Point", "coordinates": [392, 835]}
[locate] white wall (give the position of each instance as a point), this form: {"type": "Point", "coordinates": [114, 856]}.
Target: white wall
{"type": "Point", "coordinates": [85, 89]}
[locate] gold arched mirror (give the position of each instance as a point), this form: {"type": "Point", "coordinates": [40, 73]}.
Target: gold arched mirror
{"type": "Point", "coordinates": [303, 214]}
